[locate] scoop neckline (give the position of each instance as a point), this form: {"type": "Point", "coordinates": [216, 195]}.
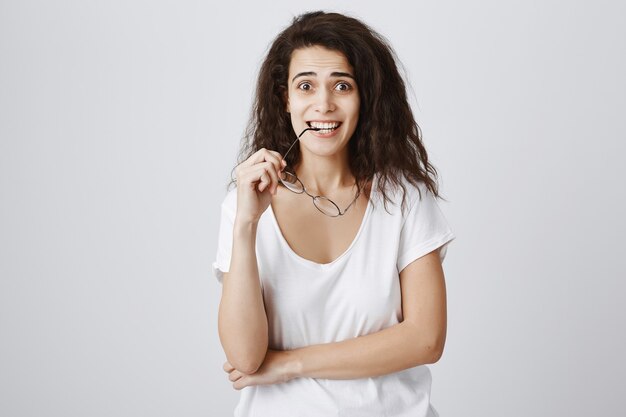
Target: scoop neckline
{"type": "Point", "coordinates": [314, 264]}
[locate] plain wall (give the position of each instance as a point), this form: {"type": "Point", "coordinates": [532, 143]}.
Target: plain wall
{"type": "Point", "coordinates": [119, 126]}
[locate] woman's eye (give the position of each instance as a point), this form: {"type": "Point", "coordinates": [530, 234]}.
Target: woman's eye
{"type": "Point", "coordinates": [343, 87]}
{"type": "Point", "coordinates": [305, 86]}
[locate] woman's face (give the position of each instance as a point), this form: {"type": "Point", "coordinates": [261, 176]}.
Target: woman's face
{"type": "Point", "coordinates": [322, 92]}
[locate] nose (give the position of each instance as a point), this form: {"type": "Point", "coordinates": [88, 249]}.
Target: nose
{"type": "Point", "coordinates": [324, 102]}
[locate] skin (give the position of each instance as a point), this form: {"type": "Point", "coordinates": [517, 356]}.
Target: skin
{"type": "Point", "coordinates": [321, 88]}
{"type": "Point", "coordinates": [417, 340]}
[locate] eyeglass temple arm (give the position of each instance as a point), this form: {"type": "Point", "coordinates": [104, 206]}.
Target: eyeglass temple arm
{"type": "Point", "coordinates": [299, 136]}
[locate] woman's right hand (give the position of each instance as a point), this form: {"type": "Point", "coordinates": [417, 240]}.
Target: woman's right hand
{"type": "Point", "coordinates": [257, 182]}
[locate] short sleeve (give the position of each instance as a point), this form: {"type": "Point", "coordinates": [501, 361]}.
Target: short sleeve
{"type": "Point", "coordinates": [425, 229]}
{"type": "Point", "coordinates": [225, 236]}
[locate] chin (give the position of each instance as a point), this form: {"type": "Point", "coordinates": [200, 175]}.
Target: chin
{"type": "Point", "coordinates": [321, 149]}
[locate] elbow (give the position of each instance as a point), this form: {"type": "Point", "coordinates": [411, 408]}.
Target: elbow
{"type": "Point", "coordinates": [429, 345]}
{"type": "Point", "coordinates": [247, 367]}
{"type": "Point", "coordinates": [246, 364]}
{"type": "Point", "coordinates": [245, 357]}
{"type": "Point", "coordinates": [244, 351]}
{"type": "Point", "coordinates": [435, 354]}
{"type": "Point", "coordinates": [432, 352]}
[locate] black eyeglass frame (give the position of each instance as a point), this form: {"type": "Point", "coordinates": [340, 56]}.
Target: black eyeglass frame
{"type": "Point", "coordinates": [314, 197]}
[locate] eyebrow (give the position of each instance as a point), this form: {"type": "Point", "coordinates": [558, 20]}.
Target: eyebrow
{"type": "Point", "coordinates": [333, 74]}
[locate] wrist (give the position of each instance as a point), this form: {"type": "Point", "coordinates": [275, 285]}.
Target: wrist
{"type": "Point", "coordinates": [244, 226]}
{"type": "Point", "coordinates": [293, 365]}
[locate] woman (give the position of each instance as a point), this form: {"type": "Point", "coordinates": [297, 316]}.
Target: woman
{"type": "Point", "coordinates": [330, 246]}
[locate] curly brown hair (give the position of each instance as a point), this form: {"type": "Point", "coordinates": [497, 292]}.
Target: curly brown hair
{"type": "Point", "coordinates": [387, 140]}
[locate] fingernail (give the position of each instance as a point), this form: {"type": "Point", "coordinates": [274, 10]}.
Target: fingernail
{"type": "Point", "coordinates": [283, 162]}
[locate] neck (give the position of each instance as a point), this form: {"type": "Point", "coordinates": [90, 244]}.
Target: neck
{"type": "Point", "coordinates": [325, 175]}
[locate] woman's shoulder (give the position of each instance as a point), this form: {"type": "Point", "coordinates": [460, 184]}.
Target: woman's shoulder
{"type": "Point", "coordinates": [414, 190]}
{"type": "Point", "coordinates": [405, 190]}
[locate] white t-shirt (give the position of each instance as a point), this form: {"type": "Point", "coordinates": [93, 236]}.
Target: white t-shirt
{"type": "Point", "coordinates": [357, 294]}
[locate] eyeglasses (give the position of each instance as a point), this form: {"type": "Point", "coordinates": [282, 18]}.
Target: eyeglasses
{"type": "Point", "coordinates": [323, 204]}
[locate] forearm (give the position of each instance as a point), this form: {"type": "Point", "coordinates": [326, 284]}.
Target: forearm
{"type": "Point", "coordinates": [393, 349]}
{"type": "Point", "coordinates": [242, 321]}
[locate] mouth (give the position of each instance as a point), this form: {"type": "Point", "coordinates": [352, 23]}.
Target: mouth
{"type": "Point", "coordinates": [324, 127]}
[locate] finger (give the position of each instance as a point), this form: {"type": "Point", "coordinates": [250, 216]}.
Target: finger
{"type": "Point", "coordinates": [264, 155]}
{"type": "Point", "coordinates": [264, 173]}
{"type": "Point", "coordinates": [265, 182]}
{"type": "Point", "coordinates": [272, 171]}
{"type": "Point", "coordinates": [228, 367]}
{"type": "Point", "coordinates": [258, 179]}
{"type": "Point", "coordinates": [275, 160]}
{"type": "Point", "coordinates": [278, 159]}
{"type": "Point", "coordinates": [234, 375]}
{"type": "Point", "coordinates": [240, 383]}
{"type": "Point", "coordinates": [254, 173]}
{"type": "Point", "coordinates": [255, 158]}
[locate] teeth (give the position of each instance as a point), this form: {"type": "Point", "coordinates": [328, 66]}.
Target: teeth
{"type": "Point", "coordinates": [324, 126]}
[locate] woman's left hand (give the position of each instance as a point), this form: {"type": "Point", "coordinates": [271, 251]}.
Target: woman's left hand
{"type": "Point", "coordinates": [278, 367]}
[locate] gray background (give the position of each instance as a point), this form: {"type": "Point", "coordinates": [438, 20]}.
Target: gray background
{"type": "Point", "coordinates": [119, 125]}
